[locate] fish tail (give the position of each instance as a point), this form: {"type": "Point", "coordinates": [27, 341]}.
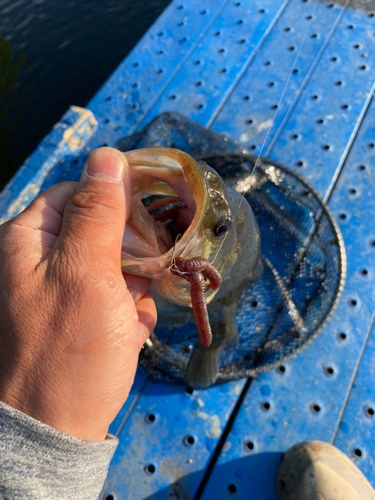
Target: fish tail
{"type": "Point", "coordinates": [203, 365]}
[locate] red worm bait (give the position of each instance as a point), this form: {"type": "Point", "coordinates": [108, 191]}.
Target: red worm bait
{"type": "Point", "coordinates": [196, 271]}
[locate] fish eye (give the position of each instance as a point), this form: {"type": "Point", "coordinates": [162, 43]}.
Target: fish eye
{"type": "Point", "coordinates": [221, 228]}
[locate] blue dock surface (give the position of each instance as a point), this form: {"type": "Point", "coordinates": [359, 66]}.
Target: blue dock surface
{"type": "Point", "coordinates": [292, 80]}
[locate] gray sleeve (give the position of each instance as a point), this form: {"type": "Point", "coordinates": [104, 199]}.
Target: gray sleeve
{"type": "Point", "coordinates": [39, 462]}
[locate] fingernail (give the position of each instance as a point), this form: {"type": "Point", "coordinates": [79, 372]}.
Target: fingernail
{"type": "Point", "coordinates": [106, 165]}
{"type": "Point", "coordinates": [144, 334]}
{"type": "Point", "coordinates": [134, 293]}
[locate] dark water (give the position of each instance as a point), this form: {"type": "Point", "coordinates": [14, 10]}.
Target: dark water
{"type": "Point", "coordinates": [54, 53]}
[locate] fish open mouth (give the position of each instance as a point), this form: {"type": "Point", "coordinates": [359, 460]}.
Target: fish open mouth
{"type": "Point", "coordinates": [167, 208]}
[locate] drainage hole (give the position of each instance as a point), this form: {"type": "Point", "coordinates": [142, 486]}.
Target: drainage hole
{"type": "Point", "coordinates": [150, 417]}
{"type": "Point", "coordinates": [232, 488]}
{"type": "Point", "coordinates": [309, 18]}
{"type": "Point", "coordinates": [326, 147]}
{"type": "Point", "coordinates": [286, 29]}
{"type": "Point", "coordinates": [203, 12]}
{"type": "Point", "coordinates": [189, 390]}
{"type": "Point", "coordinates": [135, 85]}
{"type": "Point", "coordinates": [344, 106]}
{"type": "Point", "coordinates": [198, 83]}
{"type": "Point", "coordinates": [246, 97]}
{"type": "Point", "coordinates": [254, 303]}
{"type": "Point", "coordinates": [338, 83]}
{"type": "Point", "coordinates": [223, 70]}
{"type": "Point", "coordinates": [352, 191]}
{"type": "Point", "coordinates": [358, 452]}
{"type": "Point", "coordinates": [371, 145]}
{"type": "Point", "coordinates": [364, 272]}
{"type": "Point", "coordinates": [356, 46]}
{"type": "Point", "coordinates": [199, 106]}
{"type": "Point", "coordinates": [237, 4]}
{"type": "Point", "coordinates": [271, 84]}
{"type": "Point", "coordinates": [372, 243]}
{"type": "Point", "coordinates": [180, 7]}
{"type": "Point", "coordinates": [150, 469]}
{"type": "Point", "coordinates": [188, 348]}
{"type": "Point", "coordinates": [342, 216]}
{"type": "Point", "coordinates": [350, 26]}
{"type": "Point", "coordinates": [281, 369]}
{"type": "Point", "coordinates": [109, 98]}
{"type": "Point", "coordinates": [217, 33]}
{"type": "Point", "coordinates": [109, 497]}
{"type": "Point", "coordinates": [315, 408]}
{"type": "Point", "coordinates": [106, 120]}
{"type": "Point", "coordinates": [252, 147]}
{"type": "Point", "coordinates": [291, 48]}
{"type": "Point", "coordinates": [181, 23]}
{"type": "Point", "coordinates": [221, 51]}
{"type": "Point", "coordinates": [370, 411]}
{"type": "Point", "coordinates": [299, 163]}
{"type": "Point", "coordinates": [319, 120]}
{"type": "Point", "coordinates": [274, 106]}
{"type": "Point", "coordinates": [342, 336]}
{"type": "Point", "coordinates": [261, 11]}
{"type": "Point", "coordinates": [267, 63]}
{"type": "Point", "coordinates": [353, 302]}
{"type": "Point", "coordinates": [172, 96]}
{"type": "Point", "coordinates": [249, 121]}
{"type": "Point", "coordinates": [362, 167]}
{"type": "Point", "coordinates": [294, 71]}
{"type": "Point", "coordinates": [314, 97]}
{"type": "Point", "coordinates": [294, 136]}
{"type": "Point", "coordinates": [329, 370]}
{"type": "Point", "coordinates": [249, 445]}
{"type": "Point", "coordinates": [362, 67]}
{"type": "Point", "coordinates": [241, 40]}
{"type": "Point", "coordinates": [266, 406]}
{"type": "Point", "coordinates": [313, 35]}
{"type": "Point", "coordinates": [333, 59]}
{"type": "Point", "coordinates": [159, 71]}
{"type": "Point", "coordinates": [189, 440]}
{"type": "Point", "coordinates": [197, 62]}
{"type": "Point", "coordinates": [240, 21]}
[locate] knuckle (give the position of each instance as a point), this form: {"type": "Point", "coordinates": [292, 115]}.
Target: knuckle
{"type": "Point", "coordinates": [90, 202]}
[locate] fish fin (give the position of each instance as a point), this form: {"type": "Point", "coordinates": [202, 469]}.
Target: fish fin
{"type": "Point", "coordinates": [258, 271]}
{"type": "Point", "coordinates": [203, 365]}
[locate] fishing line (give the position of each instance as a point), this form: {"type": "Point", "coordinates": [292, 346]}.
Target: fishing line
{"type": "Point", "coordinates": [272, 122]}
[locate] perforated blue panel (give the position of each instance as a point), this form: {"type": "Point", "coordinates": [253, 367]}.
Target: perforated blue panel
{"type": "Point", "coordinates": [297, 85]}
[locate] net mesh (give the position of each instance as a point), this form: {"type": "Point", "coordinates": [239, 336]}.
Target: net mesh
{"type": "Point", "coordinates": [302, 252]}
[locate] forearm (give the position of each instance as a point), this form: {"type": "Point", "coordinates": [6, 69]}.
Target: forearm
{"type": "Point", "coordinates": [38, 462]}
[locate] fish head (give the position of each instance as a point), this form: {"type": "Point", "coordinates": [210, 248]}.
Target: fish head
{"type": "Point", "coordinates": [180, 208]}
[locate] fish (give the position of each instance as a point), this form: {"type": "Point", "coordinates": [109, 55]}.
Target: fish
{"type": "Point", "coordinates": [182, 212]}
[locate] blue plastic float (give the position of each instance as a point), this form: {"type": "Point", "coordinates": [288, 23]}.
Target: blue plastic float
{"type": "Point", "coordinates": [292, 80]}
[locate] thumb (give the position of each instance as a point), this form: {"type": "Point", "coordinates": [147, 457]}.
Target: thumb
{"type": "Point", "coordinates": [94, 218]}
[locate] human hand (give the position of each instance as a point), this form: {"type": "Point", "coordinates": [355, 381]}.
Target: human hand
{"type": "Point", "coordinates": [71, 327]}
